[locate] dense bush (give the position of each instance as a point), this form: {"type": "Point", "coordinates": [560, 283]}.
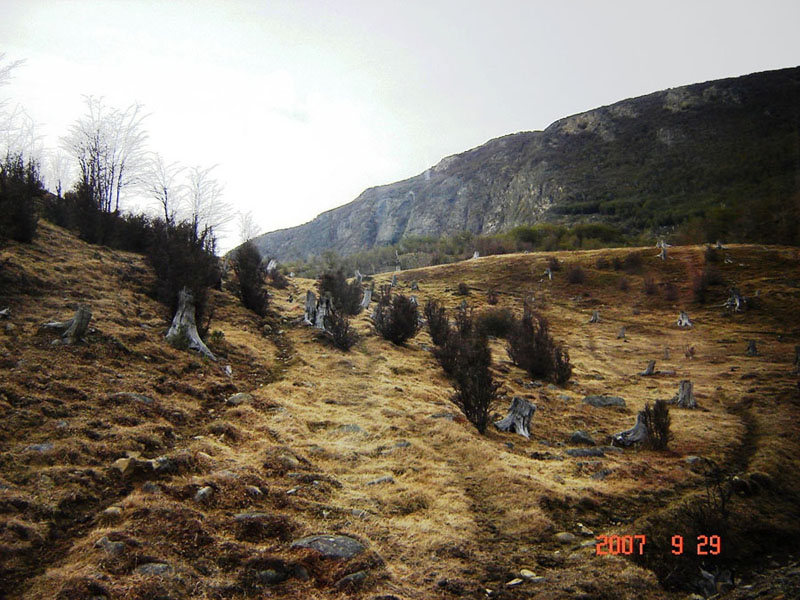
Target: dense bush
{"type": "Point", "coordinates": [462, 289]}
{"type": "Point", "coordinates": [701, 282]}
{"type": "Point", "coordinates": [436, 316]}
{"type": "Point", "coordinates": [492, 297]}
{"type": "Point", "coordinates": [249, 284]}
{"type": "Point", "coordinates": [622, 284]}
{"type": "Point", "coordinates": [576, 275]}
{"type": "Point", "coordinates": [339, 330]}
{"type": "Point", "coordinates": [397, 320]}
{"type": "Point", "coordinates": [650, 286]}
{"type": "Point", "coordinates": [278, 279]}
{"type": "Point", "coordinates": [632, 263]}
{"type": "Point", "coordinates": [182, 255]}
{"type": "Point", "coordinates": [657, 421]}
{"type": "Point", "coordinates": [602, 263]}
{"type": "Point", "coordinates": [532, 348]}
{"type": "Point", "coordinates": [554, 264]}
{"type": "Point", "coordinates": [346, 297]}
{"type": "Point", "coordinates": [711, 254]}
{"type": "Point", "coordinates": [671, 292]}
{"type": "Point", "coordinates": [20, 186]}
{"type": "Point", "coordinates": [497, 322]}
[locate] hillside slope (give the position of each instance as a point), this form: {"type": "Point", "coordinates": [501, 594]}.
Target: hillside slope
{"type": "Point", "coordinates": [727, 151]}
{"type": "Point", "coordinates": [128, 469]}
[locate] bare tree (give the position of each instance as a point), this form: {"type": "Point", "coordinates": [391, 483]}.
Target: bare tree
{"type": "Point", "coordinates": [204, 206]}
{"type": "Point", "coordinates": [161, 184]}
{"type": "Point", "coordinates": [17, 128]}
{"type": "Point", "coordinates": [109, 145]}
{"type": "Point", "coordinates": [248, 228]}
{"type": "Point", "coordinates": [57, 171]}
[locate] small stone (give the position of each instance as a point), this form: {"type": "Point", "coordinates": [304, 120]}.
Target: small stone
{"type": "Point", "coordinates": [602, 401]}
{"type": "Point", "coordinates": [527, 574]}
{"type": "Point", "coordinates": [112, 513]}
{"type": "Point", "coordinates": [238, 399]}
{"type": "Point", "coordinates": [403, 444]}
{"type": "Point", "coordinates": [353, 580]}
{"type": "Point", "coordinates": [448, 416]}
{"type": "Point", "coordinates": [133, 397]}
{"type": "Point", "coordinates": [514, 582]}
{"type": "Point", "coordinates": [332, 546]}
{"type": "Point", "coordinates": [581, 437]}
{"type": "Point", "coordinates": [585, 531]}
{"type": "Point", "coordinates": [350, 428]}
{"type": "Point", "coordinates": [601, 474]}
{"type": "Point", "coordinates": [111, 548]}
{"type": "Point", "coordinates": [44, 447]}
{"type": "Point", "coordinates": [271, 576]}
{"type": "Point", "coordinates": [151, 488]}
{"type": "Point", "coordinates": [122, 465]}
{"type": "Point", "coordinates": [582, 452]}
{"type": "Point", "coordinates": [254, 491]}
{"type": "Point", "coordinates": [565, 537]}
{"type": "Point", "coordinates": [289, 462]}
{"type": "Point", "coordinates": [204, 494]}
{"type": "Point", "coordinates": [381, 480]}
{"type": "Point", "coordinates": [154, 569]}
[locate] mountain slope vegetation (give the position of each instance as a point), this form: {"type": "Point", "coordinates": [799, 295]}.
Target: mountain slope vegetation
{"type": "Point", "coordinates": [132, 469]}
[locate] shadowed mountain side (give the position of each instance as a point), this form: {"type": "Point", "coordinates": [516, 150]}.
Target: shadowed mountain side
{"type": "Point", "coordinates": [724, 150]}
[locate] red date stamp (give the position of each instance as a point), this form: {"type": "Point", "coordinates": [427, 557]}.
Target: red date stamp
{"type": "Point", "coordinates": [635, 544]}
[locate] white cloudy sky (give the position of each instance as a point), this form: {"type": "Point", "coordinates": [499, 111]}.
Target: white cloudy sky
{"type": "Point", "coordinates": [304, 104]}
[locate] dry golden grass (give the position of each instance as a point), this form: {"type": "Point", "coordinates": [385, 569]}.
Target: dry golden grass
{"type": "Point", "coordinates": [462, 513]}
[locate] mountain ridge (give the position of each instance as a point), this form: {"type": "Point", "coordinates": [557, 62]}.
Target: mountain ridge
{"type": "Point", "coordinates": [645, 163]}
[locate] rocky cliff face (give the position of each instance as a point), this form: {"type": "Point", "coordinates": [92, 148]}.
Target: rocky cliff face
{"type": "Point", "coordinates": [648, 162]}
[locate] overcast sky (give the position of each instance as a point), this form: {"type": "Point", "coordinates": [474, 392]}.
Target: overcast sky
{"type": "Point", "coordinates": [304, 104]}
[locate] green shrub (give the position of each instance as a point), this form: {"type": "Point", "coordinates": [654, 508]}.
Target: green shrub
{"type": "Point", "coordinates": [250, 278]}
{"type": "Point", "coordinates": [339, 330]}
{"type": "Point", "coordinates": [346, 297]}
{"type": "Point", "coordinates": [462, 289]}
{"type": "Point", "coordinates": [657, 422]}
{"type": "Point", "coordinates": [532, 348]}
{"type": "Point", "coordinates": [20, 186]}
{"type": "Point", "coordinates": [397, 320]}
{"type": "Point", "coordinates": [497, 322]}
{"type": "Point", "coordinates": [576, 275]}
{"type": "Point", "coordinates": [436, 316]}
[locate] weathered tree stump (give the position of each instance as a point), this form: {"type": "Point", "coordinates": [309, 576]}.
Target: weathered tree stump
{"type": "Point", "coordinates": [736, 302]}
{"type": "Point", "coordinates": [685, 396]}
{"type": "Point", "coordinates": [663, 254]}
{"type": "Point", "coordinates": [621, 334]}
{"type": "Point", "coordinates": [720, 246]}
{"type": "Point", "coordinates": [519, 417]}
{"type": "Point", "coordinates": [683, 320]}
{"type": "Point", "coordinates": [549, 272]}
{"type": "Point", "coordinates": [595, 317]}
{"type": "Point", "coordinates": [751, 348]}
{"type": "Point", "coordinates": [414, 286]}
{"type": "Point", "coordinates": [271, 266]}
{"type": "Point", "coordinates": [413, 300]}
{"type": "Point", "coordinates": [323, 308]}
{"type": "Point", "coordinates": [184, 328]}
{"type": "Point", "coordinates": [688, 351]}
{"type": "Point", "coordinates": [366, 299]}
{"type": "Point", "coordinates": [310, 314]}
{"type": "Point", "coordinates": [635, 435]}
{"type": "Point", "coordinates": [72, 331]}
{"type": "Point", "coordinates": [394, 280]}
{"type": "Point", "coordinates": [666, 353]}
{"type": "Point", "coordinates": [475, 255]}
{"type": "Point", "coordinates": [359, 277]}
{"type": "Point", "coordinates": [5, 313]}
{"type": "Point", "coordinates": [650, 370]}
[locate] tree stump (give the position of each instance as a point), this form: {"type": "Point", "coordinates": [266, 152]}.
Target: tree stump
{"type": "Point", "coordinates": [413, 300]}
{"type": "Point", "coordinates": [414, 286]}
{"type": "Point", "coordinates": [666, 353]}
{"type": "Point", "coordinates": [394, 280]}
{"type": "Point", "coordinates": [650, 370]}
{"type": "Point", "coordinates": [366, 299]}
{"type": "Point", "coordinates": [595, 317]}
{"type": "Point", "coordinates": [72, 331]}
{"type": "Point", "coordinates": [621, 334]}
{"type": "Point", "coordinates": [271, 266]}
{"type": "Point", "coordinates": [683, 320]}
{"type": "Point", "coordinates": [475, 255]}
{"type": "Point", "coordinates": [635, 435]}
{"type": "Point", "coordinates": [184, 328]}
{"type": "Point", "coordinates": [720, 246]}
{"type": "Point", "coordinates": [751, 348]}
{"type": "Point", "coordinates": [736, 302]}
{"type": "Point", "coordinates": [549, 272]}
{"type": "Point", "coordinates": [685, 396]}
{"type": "Point", "coordinates": [519, 417]}
{"type": "Point", "coordinates": [359, 277]}
{"type": "Point", "coordinates": [323, 308]}
{"type": "Point", "coordinates": [5, 313]}
{"type": "Point", "coordinates": [663, 254]}
{"type": "Point", "coordinates": [309, 316]}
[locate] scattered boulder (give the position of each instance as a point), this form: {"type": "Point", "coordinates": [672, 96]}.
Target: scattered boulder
{"type": "Point", "coordinates": [351, 581]}
{"type": "Point", "coordinates": [602, 401]}
{"type": "Point", "coordinates": [154, 568]}
{"type": "Point", "coordinates": [204, 494]}
{"type": "Point", "coordinates": [584, 452]}
{"type": "Point", "coordinates": [381, 480]}
{"type": "Point", "coordinates": [332, 546]}
{"type": "Point", "coordinates": [581, 437]}
{"type": "Point", "coordinates": [43, 447]}
{"type": "Point", "coordinates": [238, 399]}
{"type": "Point", "coordinates": [565, 537]}
{"type": "Point", "coordinates": [111, 548]}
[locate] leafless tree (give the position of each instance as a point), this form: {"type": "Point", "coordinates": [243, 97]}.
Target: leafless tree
{"type": "Point", "coordinates": [109, 145]}
{"type": "Point", "coordinates": [57, 171]}
{"type": "Point", "coordinates": [248, 229]}
{"type": "Point", "coordinates": [204, 206]}
{"type": "Point", "coordinates": [162, 185]}
{"type": "Point", "coordinates": [17, 128]}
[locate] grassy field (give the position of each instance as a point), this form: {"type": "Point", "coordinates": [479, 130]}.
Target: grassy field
{"type": "Point", "coordinates": [97, 484]}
